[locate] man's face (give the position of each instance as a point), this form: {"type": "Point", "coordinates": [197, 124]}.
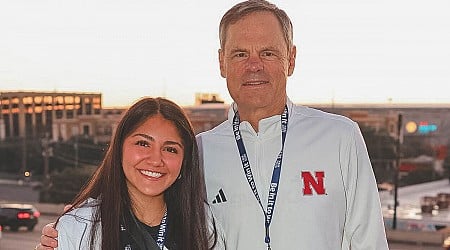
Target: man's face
{"type": "Point", "coordinates": [256, 62]}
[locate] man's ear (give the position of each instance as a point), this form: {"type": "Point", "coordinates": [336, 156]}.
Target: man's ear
{"type": "Point", "coordinates": [292, 56]}
{"type": "Point", "coordinates": [222, 63]}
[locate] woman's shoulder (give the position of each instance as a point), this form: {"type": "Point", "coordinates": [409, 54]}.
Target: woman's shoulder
{"type": "Point", "coordinates": [82, 212]}
{"type": "Point", "coordinates": [74, 227]}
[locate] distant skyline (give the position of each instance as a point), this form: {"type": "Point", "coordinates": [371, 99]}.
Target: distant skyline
{"type": "Point", "coordinates": [348, 51]}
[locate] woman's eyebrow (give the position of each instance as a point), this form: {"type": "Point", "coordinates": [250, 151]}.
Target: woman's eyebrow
{"type": "Point", "coordinates": [150, 138]}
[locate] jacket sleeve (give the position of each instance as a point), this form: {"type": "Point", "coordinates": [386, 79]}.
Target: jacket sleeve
{"type": "Point", "coordinates": [71, 233]}
{"type": "Point", "coordinates": [364, 226]}
{"type": "Point", "coordinates": [74, 227]}
{"type": "Point", "coordinates": [213, 224]}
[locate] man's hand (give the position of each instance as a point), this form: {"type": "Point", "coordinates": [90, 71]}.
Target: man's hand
{"type": "Point", "coordinates": [48, 238]}
{"type": "Point", "coordinates": [49, 235]}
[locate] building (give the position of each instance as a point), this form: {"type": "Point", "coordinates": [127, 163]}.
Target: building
{"type": "Point", "coordinates": [209, 111]}
{"type": "Point", "coordinates": [61, 116]}
{"type": "Point", "coordinates": [429, 123]}
{"type": "Point", "coordinates": [55, 114]}
{"type": "Point", "coordinates": [78, 126]}
{"type": "Point", "coordinates": [206, 116]}
{"type": "Point", "coordinates": [424, 134]}
{"type": "Point", "coordinates": [204, 98]}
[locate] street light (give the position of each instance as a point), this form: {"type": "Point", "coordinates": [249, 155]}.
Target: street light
{"type": "Point", "coordinates": [397, 169]}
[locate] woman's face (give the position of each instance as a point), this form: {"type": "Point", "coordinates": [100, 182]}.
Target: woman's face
{"type": "Point", "coordinates": [152, 157]}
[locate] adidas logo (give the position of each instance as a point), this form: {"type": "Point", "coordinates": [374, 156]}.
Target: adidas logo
{"type": "Point", "coordinates": [220, 197]}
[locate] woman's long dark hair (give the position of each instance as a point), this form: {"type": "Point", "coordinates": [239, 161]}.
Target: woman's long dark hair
{"type": "Point", "coordinates": [185, 199]}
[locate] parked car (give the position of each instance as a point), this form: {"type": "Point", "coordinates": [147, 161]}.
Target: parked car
{"type": "Point", "coordinates": [18, 215]}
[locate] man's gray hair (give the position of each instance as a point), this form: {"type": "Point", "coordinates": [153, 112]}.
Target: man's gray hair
{"type": "Point", "coordinates": [246, 8]}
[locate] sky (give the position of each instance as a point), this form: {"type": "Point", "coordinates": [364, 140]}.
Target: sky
{"type": "Point", "coordinates": [348, 51]}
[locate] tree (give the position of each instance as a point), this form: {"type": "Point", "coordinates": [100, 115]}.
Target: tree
{"type": "Point", "coordinates": [66, 184]}
{"type": "Point", "coordinates": [381, 148]}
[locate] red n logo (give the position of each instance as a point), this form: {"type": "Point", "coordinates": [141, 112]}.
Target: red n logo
{"type": "Point", "coordinates": [315, 182]}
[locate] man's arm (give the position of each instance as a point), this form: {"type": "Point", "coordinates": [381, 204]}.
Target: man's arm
{"type": "Point", "coordinates": [48, 238]}
{"type": "Point", "coordinates": [364, 227]}
{"type": "Point", "coordinates": [49, 235]}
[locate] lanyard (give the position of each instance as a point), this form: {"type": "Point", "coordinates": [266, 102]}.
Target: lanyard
{"type": "Point", "coordinates": [273, 189]}
{"type": "Point", "coordinates": [162, 233]}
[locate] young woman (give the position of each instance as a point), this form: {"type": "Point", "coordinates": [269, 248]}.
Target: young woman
{"type": "Point", "coordinates": [148, 192]}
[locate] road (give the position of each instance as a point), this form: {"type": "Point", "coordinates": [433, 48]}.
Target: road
{"type": "Point", "coordinates": [409, 213]}
{"type": "Point", "coordinates": [17, 191]}
{"type": "Point", "coordinates": [399, 246]}
{"type": "Point", "coordinates": [23, 239]}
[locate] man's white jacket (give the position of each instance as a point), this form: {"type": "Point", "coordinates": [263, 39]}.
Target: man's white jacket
{"type": "Point", "coordinates": [327, 196]}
